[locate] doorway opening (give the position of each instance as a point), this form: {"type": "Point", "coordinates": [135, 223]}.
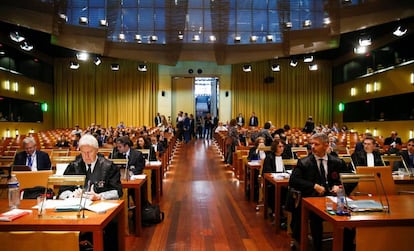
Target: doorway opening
{"type": "Point", "coordinates": [206, 95]}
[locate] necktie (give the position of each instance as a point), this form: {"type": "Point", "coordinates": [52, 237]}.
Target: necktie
{"type": "Point", "coordinates": [29, 160]}
{"type": "Point", "coordinates": [322, 173]}
{"type": "Point", "coordinates": [89, 171]}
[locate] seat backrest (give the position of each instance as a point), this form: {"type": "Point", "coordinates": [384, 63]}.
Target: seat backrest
{"type": "Point", "coordinates": [375, 188]}
{"type": "Point", "coordinates": [29, 179]}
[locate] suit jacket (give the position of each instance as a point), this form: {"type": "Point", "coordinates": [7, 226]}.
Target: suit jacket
{"type": "Point", "coordinates": [238, 121]}
{"type": "Point", "coordinates": [152, 154]}
{"type": "Point", "coordinates": [360, 158]}
{"type": "Point", "coordinates": [157, 120]}
{"type": "Point", "coordinates": [105, 176]}
{"type": "Point", "coordinates": [135, 158]}
{"type": "Point", "coordinates": [406, 158]}
{"type": "Point", "coordinates": [306, 174]}
{"type": "Point", "coordinates": [255, 121]}
{"type": "Point", "coordinates": [269, 163]}
{"type": "Point", "coordinates": [42, 160]}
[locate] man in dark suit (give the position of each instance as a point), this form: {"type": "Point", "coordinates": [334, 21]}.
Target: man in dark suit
{"type": "Point", "coordinates": [408, 155]}
{"type": "Point", "coordinates": [240, 120]}
{"type": "Point", "coordinates": [393, 143]}
{"type": "Point", "coordinates": [369, 156]}
{"type": "Point", "coordinates": [156, 149]}
{"type": "Point", "coordinates": [315, 175]}
{"type": "Point", "coordinates": [136, 161]}
{"type": "Point", "coordinates": [253, 121]}
{"type": "Point", "coordinates": [102, 183]}
{"type": "Point", "coordinates": [157, 119]}
{"type": "Point", "coordinates": [31, 157]}
{"type": "Point", "coordinates": [309, 125]}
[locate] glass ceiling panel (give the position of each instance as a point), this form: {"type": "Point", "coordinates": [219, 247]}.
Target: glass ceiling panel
{"type": "Point", "coordinates": [165, 19]}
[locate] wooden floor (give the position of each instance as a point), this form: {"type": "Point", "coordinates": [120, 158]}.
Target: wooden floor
{"type": "Point", "coordinates": [205, 208]}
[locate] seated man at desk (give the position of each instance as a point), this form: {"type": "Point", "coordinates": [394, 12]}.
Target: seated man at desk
{"type": "Point", "coordinates": [124, 150]}
{"type": "Point", "coordinates": [102, 181]}
{"type": "Point", "coordinates": [369, 156]}
{"type": "Point", "coordinates": [31, 157]}
{"type": "Point", "coordinates": [316, 175]}
{"type": "Point", "coordinates": [273, 163]}
{"type": "Point", "coordinates": [408, 155]}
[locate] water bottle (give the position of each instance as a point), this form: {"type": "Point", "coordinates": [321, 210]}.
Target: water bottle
{"type": "Point", "coordinates": [340, 201]}
{"type": "Point", "coordinates": [14, 193]}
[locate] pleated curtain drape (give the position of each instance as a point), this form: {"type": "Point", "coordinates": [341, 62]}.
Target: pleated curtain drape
{"type": "Point", "coordinates": [295, 93]}
{"type": "Point", "coordinates": [96, 94]}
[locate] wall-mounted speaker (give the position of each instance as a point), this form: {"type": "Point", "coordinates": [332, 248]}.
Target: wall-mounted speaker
{"type": "Point", "coordinates": [163, 93]}
{"type": "Point", "coordinates": [191, 71]}
{"type": "Point", "coordinates": [227, 93]}
{"type": "Point", "coordinates": [199, 71]}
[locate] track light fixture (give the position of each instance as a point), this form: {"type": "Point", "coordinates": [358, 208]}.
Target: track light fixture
{"type": "Point", "coordinates": [26, 46]}
{"type": "Point", "coordinates": [97, 61]}
{"type": "Point", "coordinates": [115, 67]}
{"type": "Point", "coordinates": [16, 37]}
{"type": "Point", "coordinates": [308, 59]}
{"type": "Point", "coordinates": [82, 56]}
{"type": "Point", "coordinates": [364, 41]}
{"type": "Point", "coordinates": [400, 31]}
{"type": "Point", "coordinates": [138, 38]}
{"type": "Point", "coordinates": [288, 25]}
{"type": "Point", "coordinates": [153, 38]}
{"type": "Point", "coordinates": [307, 23]}
{"type": "Point", "coordinates": [313, 67]}
{"type": "Point", "coordinates": [142, 67]}
{"type": "Point", "coordinates": [103, 22]}
{"type": "Point", "coordinates": [269, 38]}
{"type": "Point", "coordinates": [247, 68]}
{"type": "Point", "coordinates": [74, 65]}
{"type": "Point", "coordinates": [83, 20]}
{"type": "Point", "coordinates": [275, 67]}
{"type": "Point", "coordinates": [237, 39]}
{"type": "Point", "coordinates": [293, 62]}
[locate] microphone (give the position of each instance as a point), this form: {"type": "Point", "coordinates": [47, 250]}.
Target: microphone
{"type": "Point", "coordinates": [385, 192]}
{"type": "Point", "coordinates": [84, 202]}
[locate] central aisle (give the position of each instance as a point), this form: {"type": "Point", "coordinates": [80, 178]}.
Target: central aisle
{"type": "Point", "coordinates": [205, 208]}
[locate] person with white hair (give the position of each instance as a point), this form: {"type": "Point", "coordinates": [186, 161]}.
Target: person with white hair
{"type": "Point", "coordinates": [102, 176]}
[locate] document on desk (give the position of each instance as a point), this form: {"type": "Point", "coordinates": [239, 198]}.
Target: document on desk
{"type": "Point", "coordinates": [138, 177]}
{"type": "Point", "coordinates": [66, 204]}
{"type": "Point", "coordinates": [365, 206]}
{"type": "Point", "coordinates": [280, 176]}
{"type": "Point", "coordinates": [101, 207]}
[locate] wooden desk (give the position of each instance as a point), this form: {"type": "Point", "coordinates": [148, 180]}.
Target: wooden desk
{"type": "Point", "coordinates": [278, 183]}
{"type": "Point", "coordinates": [67, 221]}
{"type": "Point", "coordinates": [249, 177]}
{"type": "Point", "coordinates": [403, 183]}
{"type": "Point", "coordinates": [157, 166]}
{"type": "Point", "coordinates": [136, 185]}
{"type": "Point", "coordinates": [402, 214]}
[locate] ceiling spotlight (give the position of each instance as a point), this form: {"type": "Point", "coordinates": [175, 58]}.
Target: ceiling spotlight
{"type": "Point", "coordinates": [247, 68]}
{"type": "Point", "coordinates": [253, 39]}
{"type": "Point", "coordinates": [293, 63]}
{"type": "Point", "coordinates": [121, 36]}
{"type": "Point", "coordinates": [180, 36]}
{"type": "Point", "coordinates": [153, 38]}
{"type": "Point", "coordinates": [142, 67]}
{"type": "Point", "coordinates": [103, 22]}
{"type": "Point", "coordinates": [2, 52]}
{"type": "Point", "coordinates": [212, 38]}
{"type": "Point", "coordinates": [346, 1]}
{"type": "Point", "coordinates": [63, 17]}
{"type": "Point", "coordinates": [360, 50]}
{"type": "Point", "coordinates": [326, 21]}
{"type": "Point", "coordinates": [83, 20]}
{"type": "Point", "coordinates": [237, 39]}
{"type": "Point", "coordinates": [308, 59]}
{"type": "Point", "coordinates": [82, 56]}
{"type": "Point", "coordinates": [16, 37]}
{"type": "Point", "coordinates": [25, 46]}
{"type": "Point", "coordinates": [364, 41]}
{"type": "Point", "coordinates": [275, 67]}
{"type": "Point", "coordinates": [288, 25]}
{"type": "Point", "coordinates": [74, 65]}
{"type": "Point", "coordinates": [97, 61]}
{"type": "Point", "coordinates": [196, 37]}
{"type": "Point", "coordinates": [115, 67]}
{"type": "Point", "coordinates": [400, 31]}
{"type": "Point", "coordinates": [269, 38]}
{"type": "Point", "coordinates": [307, 23]}
{"type": "Point", "coordinates": [313, 67]}
{"type": "Point", "coordinates": [138, 38]}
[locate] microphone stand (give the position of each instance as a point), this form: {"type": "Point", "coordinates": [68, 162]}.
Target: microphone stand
{"type": "Point", "coordinates": [385, 193]}
{"type": "Point", "coordinates": [85, 199]}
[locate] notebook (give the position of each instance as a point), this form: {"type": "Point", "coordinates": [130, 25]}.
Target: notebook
{"type": "Point", "coordinates": [365, 206]}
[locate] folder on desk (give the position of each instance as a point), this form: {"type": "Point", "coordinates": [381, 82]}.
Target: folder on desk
{"type": "Point", "coordinates": [365, 206]}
